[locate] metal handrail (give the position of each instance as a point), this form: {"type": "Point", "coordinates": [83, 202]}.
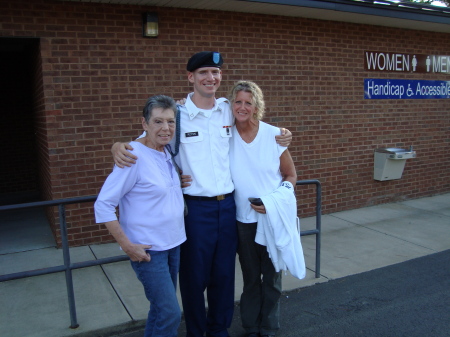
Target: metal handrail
{"type": "Point", "coordinates": [68, 266]}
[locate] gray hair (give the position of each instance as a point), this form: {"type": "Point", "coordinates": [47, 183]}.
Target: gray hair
{"type": "Point", "coordinates": [158, 101]}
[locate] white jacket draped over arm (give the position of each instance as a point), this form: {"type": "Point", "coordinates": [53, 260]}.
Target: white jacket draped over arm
{"type": "Point", "coordinates": [277, 229]}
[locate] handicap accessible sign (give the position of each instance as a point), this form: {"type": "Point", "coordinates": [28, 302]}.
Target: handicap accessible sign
{"type": "Point", "coordinates": [375, 88]}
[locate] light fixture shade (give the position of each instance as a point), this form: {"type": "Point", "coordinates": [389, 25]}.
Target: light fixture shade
{"type": "Point", "coordinates": [150, 24]}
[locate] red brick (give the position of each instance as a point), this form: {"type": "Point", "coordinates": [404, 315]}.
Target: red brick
{"type": "Point", "coordinates": [98, 72]}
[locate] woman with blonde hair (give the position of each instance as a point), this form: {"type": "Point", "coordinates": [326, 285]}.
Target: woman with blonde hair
{"type": "Point", "coordinates": [259, 166]}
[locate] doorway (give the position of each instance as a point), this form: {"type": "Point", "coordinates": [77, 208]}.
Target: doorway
{"type": "Point", "coordinates": [19, 170]}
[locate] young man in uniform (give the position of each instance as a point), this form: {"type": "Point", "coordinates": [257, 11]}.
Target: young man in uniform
{"type": "Point", "coordinates": [208, 255]}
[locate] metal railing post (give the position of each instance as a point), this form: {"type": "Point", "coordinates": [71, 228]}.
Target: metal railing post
{"type": "Point", "coordinates": [68, 270]}
{"type": "Point", "coordinates": [317, 232]}
{"type": "Point", "coordinates": [318, 225]}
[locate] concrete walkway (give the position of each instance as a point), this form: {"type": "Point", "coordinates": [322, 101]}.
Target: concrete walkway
{"type": "Point", "coordinates": [110, 298]}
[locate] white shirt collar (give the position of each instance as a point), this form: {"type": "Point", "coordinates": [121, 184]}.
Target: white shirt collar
{"type": "Point", "coordinates": [193, 111]}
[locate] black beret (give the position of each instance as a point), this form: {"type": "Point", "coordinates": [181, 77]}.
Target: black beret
{"type": "Point", "coordinates": [204, 59]}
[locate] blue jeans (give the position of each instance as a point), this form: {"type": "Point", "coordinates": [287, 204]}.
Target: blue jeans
{"type": "Point", "coordinates": [159, 278]}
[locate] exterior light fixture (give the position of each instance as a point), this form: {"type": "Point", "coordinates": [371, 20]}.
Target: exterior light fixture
{"type": "Point", "coordinates": [150, 25]}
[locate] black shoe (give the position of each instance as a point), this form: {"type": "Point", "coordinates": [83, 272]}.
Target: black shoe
{"type": "Point", "coordinates": [252, 334]}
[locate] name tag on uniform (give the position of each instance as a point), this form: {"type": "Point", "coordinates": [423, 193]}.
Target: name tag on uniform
{"type": "Point", "coordinates": [191, 134]}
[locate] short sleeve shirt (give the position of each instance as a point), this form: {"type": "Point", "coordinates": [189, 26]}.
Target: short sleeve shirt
{"type": "Point", "coordinates": [205, 146]}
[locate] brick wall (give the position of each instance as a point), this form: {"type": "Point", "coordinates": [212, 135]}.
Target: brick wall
{"type": "Point", "coordinates": [98, 72]}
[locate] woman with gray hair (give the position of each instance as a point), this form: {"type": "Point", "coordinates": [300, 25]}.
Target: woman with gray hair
{"type": "Point", "coordinates": [151, 225]}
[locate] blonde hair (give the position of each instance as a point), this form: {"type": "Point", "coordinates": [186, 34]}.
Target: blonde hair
{"type": "Point", "coordinates": [255, 91]}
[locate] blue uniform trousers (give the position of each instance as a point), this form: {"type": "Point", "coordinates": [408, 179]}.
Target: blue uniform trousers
{"type": "Point", "coordinates": [208, 262]}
